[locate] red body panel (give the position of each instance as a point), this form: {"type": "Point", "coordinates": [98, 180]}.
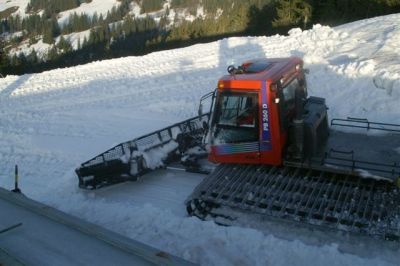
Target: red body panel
{"type": "Point", "coordinates": [272, 138]}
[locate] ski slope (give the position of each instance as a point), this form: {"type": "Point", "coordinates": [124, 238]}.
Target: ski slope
{"type": "Point", "coordinates": [52, 121]}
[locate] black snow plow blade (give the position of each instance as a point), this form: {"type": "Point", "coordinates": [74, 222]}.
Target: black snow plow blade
{"type": "Point", "coordinates": [131, 159]}
{"type": "Point", "coordinates": [303, 196]}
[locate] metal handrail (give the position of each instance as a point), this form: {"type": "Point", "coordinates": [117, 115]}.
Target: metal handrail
{"type": "Point", "coordinates": [365, 123]}
{"type": "Point", "coordinates": [131, 142]}
{"type": "Point", "coordinates": [393, 169]}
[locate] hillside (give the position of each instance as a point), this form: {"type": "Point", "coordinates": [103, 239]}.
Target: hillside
{"type": "Point", "coordinates": [38, 35]}
{"type": "Point", "coordinates": [53, 121]}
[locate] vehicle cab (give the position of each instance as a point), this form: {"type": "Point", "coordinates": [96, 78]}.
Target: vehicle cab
{"type": "Point", "coordinates": [254, 106]}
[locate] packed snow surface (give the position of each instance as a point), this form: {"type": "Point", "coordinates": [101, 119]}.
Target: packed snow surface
{"type": "Point", "coordinates": [53, 121]}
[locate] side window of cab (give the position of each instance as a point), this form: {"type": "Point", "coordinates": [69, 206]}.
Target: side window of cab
{"type": "Point", "coordinates": [287, 102]}
{"type": "Point", "coordinates": [288, 93]}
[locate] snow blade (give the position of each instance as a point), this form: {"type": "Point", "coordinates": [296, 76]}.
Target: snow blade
{"type": "Point", "coordinates": [315, 198]}
{"type": "Point", "coordinates": [132, 159]}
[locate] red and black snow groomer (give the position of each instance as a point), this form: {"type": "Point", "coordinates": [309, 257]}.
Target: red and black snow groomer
{"type": "Point", "coordinates": [277, 156]}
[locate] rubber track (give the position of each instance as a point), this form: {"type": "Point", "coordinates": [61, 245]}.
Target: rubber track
{"type": "Point", "coordinates": [342, 202]}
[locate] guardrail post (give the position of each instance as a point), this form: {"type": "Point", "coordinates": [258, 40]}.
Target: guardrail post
{"type": "Point", "coordinates": [16, 188]}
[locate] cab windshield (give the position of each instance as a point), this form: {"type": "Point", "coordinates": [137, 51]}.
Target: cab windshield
{"type": "Point", "coordinates": [236, 118]}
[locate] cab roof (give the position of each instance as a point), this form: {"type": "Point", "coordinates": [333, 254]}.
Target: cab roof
{"type": "Point", "coordinates": [263, 69]}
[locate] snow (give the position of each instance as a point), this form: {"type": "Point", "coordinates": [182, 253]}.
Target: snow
{"type": "Point", "coordinates": [178, 13]}
{"type": "Point", "coordinates": [154, 158]}
{"type": "Point", "coordinates": [135, 9]}
{"type": "Point", "coordinates": [9, 37]}
{"type": "Point", "coordinates": [42, 48]}
{"type": "Point", "coordinates": [53, 121]}
{"type": "Point", "coordinates": [364, 173]}
{"type": "Point", "coordinates": [95, 6]}
{"type": "Point", "coordinates": [25, 48]}
{"type": "Point", "coordinates": [21, 4]}
{"type": "Point", "coordinates": [75, 37]}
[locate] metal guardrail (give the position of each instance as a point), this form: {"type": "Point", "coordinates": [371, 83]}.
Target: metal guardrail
{"type": "Point", "coordinates": [119, 150]}
{"type": "Point", "coordinates": [333, 157]}
{"type": "Point", "coordinates": [365, 123]}
{"type": "Point", "coordinates": [393, 170]}
{"type": "Point", "coordinates": [79, 230]}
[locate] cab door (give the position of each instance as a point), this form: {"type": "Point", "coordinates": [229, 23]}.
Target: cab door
{"type": "Point", "coordinates": [287, 102]}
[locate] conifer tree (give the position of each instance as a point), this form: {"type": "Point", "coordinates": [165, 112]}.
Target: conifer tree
{"type": "Point", "coordinates": [48, 36]}
{"type": "Point", "coordinates": [33, 57]}
{"type": "Point", "coordinates": [4, 62]}
{"type": "Point", "coordinates": [64, 45]}
{"type": "Point", "coordinates": [292, 13]}
{"type": "Point", "coordinates": [52, 53]}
